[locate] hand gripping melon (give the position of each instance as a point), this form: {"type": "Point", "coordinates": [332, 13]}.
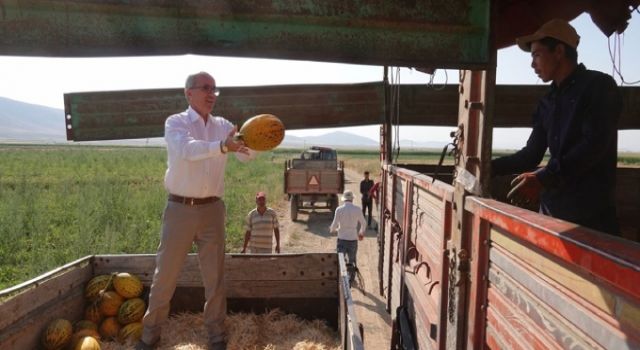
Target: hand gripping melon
{"type": "Point", "coordinates": [127, 285]}
{"type": "Point", "coordinates": [131, 310]}
{"type": "Point", "coordinates": [262, 132]}
{"type": "Point", "coordinates": [57, 334]}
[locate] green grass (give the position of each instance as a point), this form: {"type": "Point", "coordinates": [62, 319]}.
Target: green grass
{"type": "Point", "coordinates": [60, 203]}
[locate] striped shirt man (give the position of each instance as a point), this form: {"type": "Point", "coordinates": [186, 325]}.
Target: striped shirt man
{"type": "Point", "coordinates": [261, 224]}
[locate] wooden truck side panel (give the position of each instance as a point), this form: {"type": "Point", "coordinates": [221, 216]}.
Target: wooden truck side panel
{"type": "Point", "coordinates": [533, 282]}
{"type": "Point", "coordinates": [305, 284]}
{"type": "Point", "coordinates": [549, 283]}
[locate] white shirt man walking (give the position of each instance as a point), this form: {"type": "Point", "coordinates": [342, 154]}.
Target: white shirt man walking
{"type": "Point", "coordinates": [349, 222]}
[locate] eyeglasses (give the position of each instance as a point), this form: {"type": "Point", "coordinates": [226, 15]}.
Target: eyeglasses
{"type": "Point", "coordinates": [208, 89]}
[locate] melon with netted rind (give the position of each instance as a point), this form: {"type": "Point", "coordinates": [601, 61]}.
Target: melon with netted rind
{"type": "Point", "coordinates": [262, 132]}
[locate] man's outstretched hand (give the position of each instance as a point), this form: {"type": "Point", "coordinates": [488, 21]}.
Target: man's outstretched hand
{"type": "Point", "coordinates": [525, 189]}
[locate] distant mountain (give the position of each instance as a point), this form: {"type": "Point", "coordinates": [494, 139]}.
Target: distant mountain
{"type": "Point", "coordinates": [27, 122]}
{"type": "Point", "coordinates": [333, 139]}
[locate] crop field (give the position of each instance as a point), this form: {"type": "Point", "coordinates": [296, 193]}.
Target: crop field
{"type": "Point", "coordinates": [60, 203]}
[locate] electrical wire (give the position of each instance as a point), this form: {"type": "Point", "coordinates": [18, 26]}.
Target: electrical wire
{"type": "Point", "coordinates": [431, 84]}
{"type": "Point", "coordinates": [616, 54]}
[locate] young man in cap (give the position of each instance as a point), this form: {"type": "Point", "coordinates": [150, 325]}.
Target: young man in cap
{"type": "Point", "coordinates": [261, 225]}
{"type": "Point", "coordinates": [349, 222]}
{"type": "Point", "coordinates": [577, 122]}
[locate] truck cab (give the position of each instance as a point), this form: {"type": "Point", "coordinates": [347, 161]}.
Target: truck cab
{"type": "Point", "coordinates": [319, 153]}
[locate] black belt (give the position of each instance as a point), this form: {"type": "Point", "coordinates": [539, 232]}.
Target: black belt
{"type": "Point", "coordinates": [192, 201]}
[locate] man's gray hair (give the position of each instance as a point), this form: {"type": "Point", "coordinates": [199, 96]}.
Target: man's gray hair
{"type": "Point", "coordinates": [192, 78]}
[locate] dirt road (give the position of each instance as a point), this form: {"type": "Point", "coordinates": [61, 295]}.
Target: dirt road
{"type": "Point", "coordinates": [310, 233]}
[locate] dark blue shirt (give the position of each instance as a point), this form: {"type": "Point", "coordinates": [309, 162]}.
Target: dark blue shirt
{"type": "Point", "coordinates": [578, 123]}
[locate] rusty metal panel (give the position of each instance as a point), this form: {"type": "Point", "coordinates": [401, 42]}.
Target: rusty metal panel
{"type": "Point", "coordinates": [420, 33]}
{"type": "Point", "coordinates": [142, 113]}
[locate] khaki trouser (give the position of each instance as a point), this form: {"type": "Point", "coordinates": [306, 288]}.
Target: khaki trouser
{"type": "Point", "coordinates": [182, 225]}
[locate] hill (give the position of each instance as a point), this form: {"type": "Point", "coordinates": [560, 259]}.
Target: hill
{"type": "Point", "coordinates": [25, 122]}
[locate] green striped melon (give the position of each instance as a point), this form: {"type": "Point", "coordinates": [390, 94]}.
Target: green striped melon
{"type": "Point", "coordinates": [127, 285]}
{"type": "Point", "coordinates": [131, 333]}
{"type": "Point", "coordinates": [85, 324]}
{"type": "Point", "coordinates": [57, 335]}
{"type": "Point", "coordinates": [96, 286]}
{"type": "Point", "coordinates": [93, 314]}
{"type": "Point", "coordinates": [131, 310]}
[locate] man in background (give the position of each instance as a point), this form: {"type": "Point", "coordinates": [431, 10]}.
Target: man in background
{"type": "Point", "coordinates": [365, 186]}
{"type": "Point", "coordinates": [261, 225]}
{"type": "Point", "coordinates": [577, 122]}
{"type": "Point", "coordinates": [349, 223]}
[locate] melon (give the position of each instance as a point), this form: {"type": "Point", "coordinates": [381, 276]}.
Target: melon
{"type": "Point", "coordinates": [96, 286]}
{"type": "Point", "coordinates": [109, 328]}
{"type": "Point", "coordinates": [87, 343]}
{"type": "Point", "coordinates": [79, 335]}
{"type": "Point", "coordinates": [85, 324]}
{"type": "Point", "coordinates": [57, 334]}
{"type": "Point", "coordinates": [130, 333]}
{"type": "Point", "coordinates": [127, 285]}
{"type": "Point", "coordinates": [93, 314]}
{"type": "Point", "coordinates": [131, 310]}
{"type": "Point", "coordinates": [262, 132]}
{"type": "Point", "coordinates": [110, 302]}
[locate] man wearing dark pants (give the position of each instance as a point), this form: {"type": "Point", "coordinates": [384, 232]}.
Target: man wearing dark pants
{"type": "Point", "coordinates": [577, 122]}
{"type": "Point", "coordinates": [197, 148]}
{"type": "Point", "coordinates": [367, 203]}
{"type": "Point", "coordinates": [349, 223]}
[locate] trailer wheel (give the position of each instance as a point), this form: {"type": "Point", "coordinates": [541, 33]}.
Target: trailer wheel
{"type": "Point", "coordinates": [334, 203]}
{"type": "Point", "coordinates": [294, 207]}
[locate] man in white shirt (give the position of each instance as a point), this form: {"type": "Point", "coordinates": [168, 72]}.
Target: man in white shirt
{"type": "Point", "coordinates": [349, 222]}
{"type": "Point", "coordinates": [260, 226]}
{"type": "Point", "coordinates": [197, 148]}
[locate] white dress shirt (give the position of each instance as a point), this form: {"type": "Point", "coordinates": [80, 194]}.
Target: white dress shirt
{"type": "Point", "coordinates": [346, 220]}
{"type": "Point", "coordinates": [195, 162]}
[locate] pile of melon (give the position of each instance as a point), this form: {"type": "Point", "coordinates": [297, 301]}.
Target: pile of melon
{"type": "Point", "coordinates": [114, 312]}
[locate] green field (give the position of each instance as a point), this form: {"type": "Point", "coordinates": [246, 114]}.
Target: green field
{"type": "Point", "coordinates": [60, 203]}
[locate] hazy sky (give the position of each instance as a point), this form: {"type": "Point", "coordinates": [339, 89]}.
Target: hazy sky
{"type": "Point", "coordinates": [44, 80]}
